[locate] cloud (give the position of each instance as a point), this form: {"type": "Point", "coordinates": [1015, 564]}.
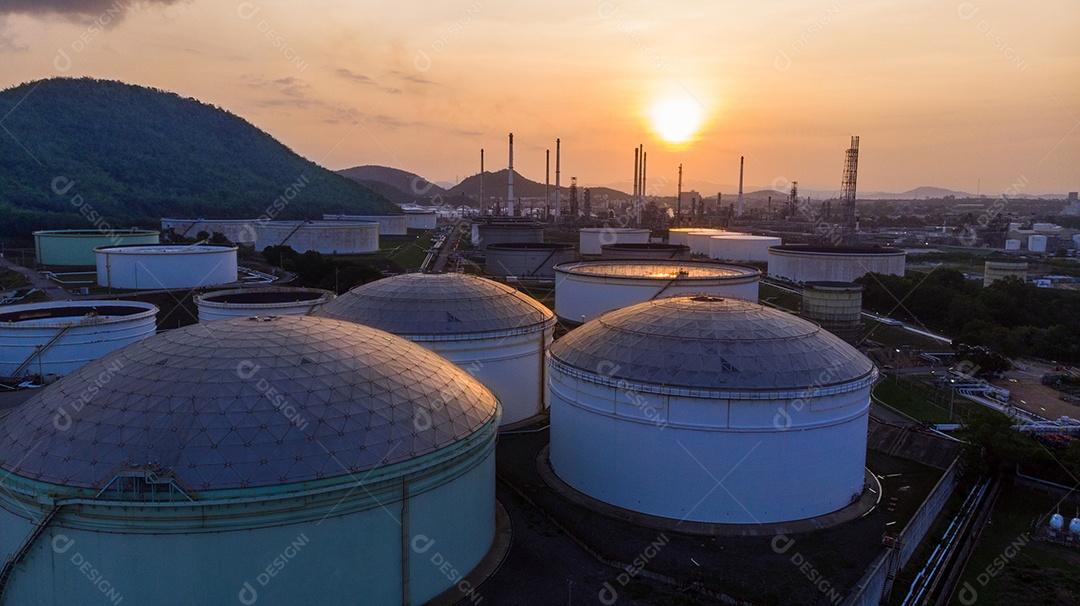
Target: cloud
{"type": "Point", "coordinates": [101, 10]}
{"type": "Point", "coordinates": [351, 75]}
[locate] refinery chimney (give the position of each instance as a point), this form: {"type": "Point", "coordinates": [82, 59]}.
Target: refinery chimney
{"type": "Point", "coordinates": [481, 182]}
{"type": "Point", "coordinates": [558, 212]}
{"type": "Point", "coordinates": [738, 212]}
{"type": "Point", "coordinates": [510, 174]}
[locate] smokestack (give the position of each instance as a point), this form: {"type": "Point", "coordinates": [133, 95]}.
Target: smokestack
{"type": "Point", "coordinates": [510, 173]}
{"type": "Point", "coordinates": [637, 171]}
{"type": "Point", "coordinates": [481, 182]}
{"type": "Point", "coordinates": [678, 200]}
{"type": "Point", "coordinates": [547, 184]}
{"type": "Point", "coordinates": [739, 211]}
{"type": "Point", "coordinates": [557, 193]}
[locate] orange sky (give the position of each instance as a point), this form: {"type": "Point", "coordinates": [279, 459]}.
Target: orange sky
{"type": "Point", "coordinates": [941, 93]}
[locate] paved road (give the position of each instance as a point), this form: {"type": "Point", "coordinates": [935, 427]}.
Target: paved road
{"type": "Point", "coordinates": [40, 282]}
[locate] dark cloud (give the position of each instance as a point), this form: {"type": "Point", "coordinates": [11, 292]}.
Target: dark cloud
{"type": "Point", "coordinates": [103, 11]}
{"type": "Point", "coordinates": [351, 75]}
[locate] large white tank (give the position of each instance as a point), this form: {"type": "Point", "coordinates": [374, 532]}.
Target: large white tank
{"type": "Point", "coordinates": [526, 260]}
{"type": "Point", "coordinates": [389, 225]}
{"type": "Point", "coordinates": [507, 232]}
{"type": "Point", "coordinates": [284, 460]}
{"type": "Point", "coordinates": [421, 219]}
{"type": "Point", "coordinates": [326, 237]}
{"type": "Point", "coordinates": [999, 270]}
{"type": "Point", "coordinates": [1012, 244]}
{"type": "Point", "coordinates": [1037, 243]}
{"type": "Point", "coordinates": [491, 330]}
{"type": "Point", "coordinates": [587, 289]}
{"type": "Point", "coordinates": [806, 263]}
{"type": "Point", "coordinates": [58, 337]}
{"type": "Point", "coordinates": [700, 240]}
{"type": "Point", "coordinates": [152, 267]}
{"type": "Point", "coordinates": [75, 247]}
{"type": "Point", "coordinates": [711, 410]}
{"type": "Point", "coordinates": [238, 231]}
{"type": "Point", "coordinates": [272, 301]}
{"type": "Point", "coordinates": [742, 247]}
{"type": "Point", "coordinates": [592, 239]}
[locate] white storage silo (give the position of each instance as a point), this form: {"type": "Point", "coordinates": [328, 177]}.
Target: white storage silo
{"type": "Point", "coordinates": [325, 237]}
{"type": "Point", "coordinates": [591, 239]}
{"type": "Point", "coordinates": [1037, 243]}
{"type": "Point", "coordinates": [999, 270]}
{"type": "Point", "coordinates": [808, 263]}
{"type": "Point", "coordinates": [527, 259]}
{"type": "Point", "coordinates": [255, 301]}
{"type": "Point", "coordinates": [711, 410]}
{"type": "Point", "coordinates": [700, 240]}
{"type": "Point", "coordinates": [491, 330]}
{"type": "Point", "coordinates": [55, 338]}
{"type": "Point", "coordinates": [250, 460]}
{"type": "Point", "coordinates": [1012, 244]}
{"type": "Point", "coordinates": [586, 289]}
{"type": "Point", "coordinates": [742, 247]}
{"type": "Point", "coordinates": [153, 267]}
{"type": "Point", "coordinates": [421, 219]}
{"type": "Point", "coordinates": [389, 225]}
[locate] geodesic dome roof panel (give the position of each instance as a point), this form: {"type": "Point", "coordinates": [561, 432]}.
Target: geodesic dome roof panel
{"type": "Point", "coordinates": [711, 343]}
{"type": "Point", "coordinates": [244, 403]}
{"type": "Point", "coordinates": [438, 304]}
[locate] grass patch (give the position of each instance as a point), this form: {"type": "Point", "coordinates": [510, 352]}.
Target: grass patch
{"type": "Point", "coordinates": [895, 336]}
{"type": "Point", "coordinates": [777, 296]}
{"type": "Point", "coordinates": [911, 402]}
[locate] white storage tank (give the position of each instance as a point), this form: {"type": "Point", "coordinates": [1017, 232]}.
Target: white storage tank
{"type": "Point", "coordinates": [526, 260]}
{"type": "Point", "coordinates": [75, 247]}
{"type": "Point", "coordinates": [655, 251]}
{"type": "Point", "coordinates": [700, 240]}
{"type": "Point", "coordinates": [326, 237]}
{"type": "Point", "coordinates": [389, 225]}
{"type": "Point", "coordinates": [809, 263]}
{"type": "Point", "coordinates": [238, 231]}
{"type": "Point", "coordinates": [491, 330]}
{"type": "Point", "coordinates": [507, 232]}
{"type": "Point", "coordinates": [713, 410]}
{"type": "Point", "coordinates": [1037, 243]}
{"type": "Point", "coordinates": [250, 460]}
{"type": "Point", "coordinates": [586, 289]}
{"type": "Point", "coordinates": [592, 239]}
{"type": "Point", "coordinates": [271, 301]}
{"type": "Point", "coordinates": [421, 219]}
{"type": "Point", "coordinates": [742, 247]}
{"type": "Point", "coordinates": [1012, 244]}
{"type": "Point", "coordinates": [999, 270]}
{"type": "Point", "coordinates": [55, 338]}
{"type": "Point", "coordinates": [153, 267]}
{"type": "Point", "coordinates": [835, 306]}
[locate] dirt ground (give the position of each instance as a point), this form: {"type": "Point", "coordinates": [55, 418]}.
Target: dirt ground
{"type": "Point", "coordinates": [1031, 395]}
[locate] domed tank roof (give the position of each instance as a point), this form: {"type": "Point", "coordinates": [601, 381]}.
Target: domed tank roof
{"type": "Point", "coordinates": [711, 343]}
{"type": "Point", "coordinates": [245, 403]}
{"type": "Point", "coordinates": [430, 305]}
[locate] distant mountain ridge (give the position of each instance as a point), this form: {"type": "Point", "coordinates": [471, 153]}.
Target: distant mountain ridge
{"type": "Point", "coordinates": [86, 153]}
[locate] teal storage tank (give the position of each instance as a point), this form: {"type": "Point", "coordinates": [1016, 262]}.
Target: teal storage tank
{"type": "Point", "coordinates": [75, 247]}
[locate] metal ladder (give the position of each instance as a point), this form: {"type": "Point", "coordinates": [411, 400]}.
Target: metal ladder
{"type": "Point", "coordinates": [24, 548]}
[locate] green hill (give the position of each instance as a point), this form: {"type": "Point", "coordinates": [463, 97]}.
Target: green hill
{"type": "Point", "coordinates": [76, 149]}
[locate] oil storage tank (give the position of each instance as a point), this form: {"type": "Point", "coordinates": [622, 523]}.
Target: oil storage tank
{"type": "Point", "coordinates": [810, 263]}
{"type": "Point", "coordinates": [742, 247]}
{"type": "Point", "coordinates": [700, 240]}
{"type": "Point", "coordinates": [508, 232]}
{"type": "Point", "coordinates": [652, 404]}
{"type": "Point", "coordinates": [491, 330]}
{"type": "Point", "coordinates": [526, 260]}
{"type": "Point", "coordinates": [999, 270]}
{"type": "Point", "coordinates": [272, 301]}
{"type": "Point", "coordinates": [586, 289]}
{"type": "Point", "coordinates": [421, 219]}
{"type": "Point", "coordinates": [325, 237]}
{"type": "Point", "coordinates": [835, 306]}
{"type": "Point", "coordinates": [389, 225]}
{"type": "Point", "coordinates": [237, 231]}
{"type": "Point", "coordinates": [75, 247]}
{"type": "Point", "coordinates": [150, 267]}
{"type": "Point", "coordinates": [592, 239]}
{"type": "Point", "coordinates": [55, 338]}
{"type": "Point", "coordinates": [654, 251]}
{"type": "Point", "coordinates": [268, 452]}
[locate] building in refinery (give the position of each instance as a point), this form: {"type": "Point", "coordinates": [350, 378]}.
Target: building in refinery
{"type": "Point", "coordinates": [237, 231]}
{"type": "Point", "coordinates": [220, 452]}
{"type": "Point", "coordinates": [75, 247]}
{"type": "Point", "coordinates": [271, 301]}
{"type": "Point", "coordinates": [1012, 245]}
{"type": "Point", "coordinates": [835, 306]}
{"type": "Point", "coordinates": [742, 247]}
{"type": "Point", "coordinates": [999, 270]}
{"type": "Point", "coordinates": [652, 403]}
{"type": "Point", "coordinates": [507, 232]}
{"type": "Point", "coordinates": [55, 338]}
{"type": "Point", "coordinates": [420, 219]}
{"type": "Point", "coordinates": [655, 251]}
{"type": "Point", "coordinates": [491, 330]}
{"type": "Point", "coordinates": [808, 263]}
{"type": "Point", "coordinates": [326, 237]}
{"type": "Point", "coordinates": [592, 239]}
{"type": "Point", "coordinates": [1037, 243]}
{"type": "Point", "coordinates": [586, 289]}
{"type": "Point", "coordinates": [389, 225]}
{"type": "Point", "coordinates": [165, 266]}
{"type": "Point", "coordinates": [526, 260]}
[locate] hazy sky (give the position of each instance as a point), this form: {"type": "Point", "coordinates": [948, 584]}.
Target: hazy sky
{"type": "Point", "coordinates": [941, 93]}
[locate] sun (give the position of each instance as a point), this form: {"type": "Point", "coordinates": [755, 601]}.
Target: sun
{"type": "Point", "coordinates": [676, 120]}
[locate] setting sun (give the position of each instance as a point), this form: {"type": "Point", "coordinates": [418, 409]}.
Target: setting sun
{"type": "Point", "coordinates": [676, 120]}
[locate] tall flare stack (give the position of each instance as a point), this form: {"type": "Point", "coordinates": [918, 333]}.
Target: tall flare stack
{"type": "Point", "coordinates": [558, 194]}
{"type": "Point", "coordinates": [510, 174]}
{"type": "Point", "coordinates": [738, 212]}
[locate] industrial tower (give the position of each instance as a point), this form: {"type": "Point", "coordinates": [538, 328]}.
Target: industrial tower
{"type": "Point", "coordinates": [847, 192]}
